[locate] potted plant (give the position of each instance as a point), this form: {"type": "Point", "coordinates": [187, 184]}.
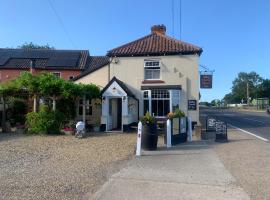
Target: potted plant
{"type": "Point", "coordinates": [149, 132]}
{"type": "Point", "coordinates": [69, 128]}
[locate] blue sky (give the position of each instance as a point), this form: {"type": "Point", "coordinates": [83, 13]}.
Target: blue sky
{"type": "Point", "coordinates": [235, 35]}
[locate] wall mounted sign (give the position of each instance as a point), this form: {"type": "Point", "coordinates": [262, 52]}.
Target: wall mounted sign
{"type": "Point", "coordinates": [206, 81]}
{"type": "Point", "coordinates": [192, 104]}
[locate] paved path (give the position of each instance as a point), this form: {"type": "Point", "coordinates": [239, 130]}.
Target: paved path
{"type": "Point", "coordinates": [190, 171]}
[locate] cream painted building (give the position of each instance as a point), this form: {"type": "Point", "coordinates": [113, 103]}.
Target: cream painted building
{"type": "Point", "coordinates": [155, 73]}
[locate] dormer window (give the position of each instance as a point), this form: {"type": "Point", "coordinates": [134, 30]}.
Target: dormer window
{"type": "Point", "coordinates": [152, 70]}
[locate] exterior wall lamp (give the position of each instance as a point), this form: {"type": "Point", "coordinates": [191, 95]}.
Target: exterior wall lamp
{"type": "Point", "coordinates": [114, 90]}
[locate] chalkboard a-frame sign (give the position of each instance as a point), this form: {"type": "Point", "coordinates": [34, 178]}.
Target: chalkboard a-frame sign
{"type": "Point", "coordinates": [192, 104]}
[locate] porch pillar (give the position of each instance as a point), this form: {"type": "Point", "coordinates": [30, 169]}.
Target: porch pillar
{"type": "Point", "coordinates": [84, 104]}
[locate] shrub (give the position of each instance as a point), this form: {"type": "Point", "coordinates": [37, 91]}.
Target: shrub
{"type": "Point", "coordinates": [18, 110]}
{"type": "Point", "coordinates": [45, 121]}
{"type": "Point", "coordinates": [176, 114]}
{"type": "Point", "coordinates": [148, 119]}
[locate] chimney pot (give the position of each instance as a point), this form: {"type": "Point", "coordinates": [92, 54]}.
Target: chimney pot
{"type": "Point", "coordinates": [159, 29]}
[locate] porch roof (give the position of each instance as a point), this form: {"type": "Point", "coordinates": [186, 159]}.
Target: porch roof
{"type": "Point", "coordinates": [121, 84]}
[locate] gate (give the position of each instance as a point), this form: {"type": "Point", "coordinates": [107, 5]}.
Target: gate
{"type": "Point", "coordinates": [178, 130]}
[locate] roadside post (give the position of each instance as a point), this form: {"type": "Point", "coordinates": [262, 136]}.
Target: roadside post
{"type": "Point", "coordinates": [169, 134]}
{"type": "Point", "coordinates": [189, 129]}
{"type": "Point", "coordinates": [139, 139]}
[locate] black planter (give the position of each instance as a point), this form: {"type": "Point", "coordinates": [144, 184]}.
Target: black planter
{"type": "Point", "coordinates": [149, 137]}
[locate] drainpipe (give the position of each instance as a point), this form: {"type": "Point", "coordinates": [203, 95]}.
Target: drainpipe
{"type": "Point", "coordinates": [109, 69]}
{"type": "Point", "coordinates": [84, 104]}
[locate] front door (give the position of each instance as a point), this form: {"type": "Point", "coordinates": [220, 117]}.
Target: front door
{"type": "Point", "coordinates": [116, 113]}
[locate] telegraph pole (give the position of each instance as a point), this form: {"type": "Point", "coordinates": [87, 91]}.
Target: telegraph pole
{"type": "Point", "coordinates": [247, 94]}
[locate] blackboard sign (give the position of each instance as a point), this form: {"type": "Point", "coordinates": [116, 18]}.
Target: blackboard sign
{"type": "Point", "coordinates": [211, 123]}
{"type": "Point", "coordinates": [206, 81]}
{"type": "Point", "coordinates": [221, 131]}
{"type": "Point", "coordinates": [221, 127]}
{"type": "Point", "coordinates": [192, 104]}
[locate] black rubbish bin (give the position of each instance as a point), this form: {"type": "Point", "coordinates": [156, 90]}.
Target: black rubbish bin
{"type": "Point", "coordinates": [149, 137]}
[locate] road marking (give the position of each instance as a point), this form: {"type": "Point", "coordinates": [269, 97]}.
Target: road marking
{"type": "Point", "coordinates": [254, 120]}
{"type": "Point", "coordinates": [259, 137]}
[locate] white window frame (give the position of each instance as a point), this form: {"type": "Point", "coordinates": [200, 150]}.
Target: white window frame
{"type": "Point", "coordinates": [145, 67]}
{"type": "Point", "coordinates": [55, 73]}
{"type": "Point", "coordinates": [88, 106]}
{"type": "Point", "coordinates": [150, 100]}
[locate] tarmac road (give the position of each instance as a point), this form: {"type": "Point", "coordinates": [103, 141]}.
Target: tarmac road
{"type": "Point", "coordinates": [253, 123]}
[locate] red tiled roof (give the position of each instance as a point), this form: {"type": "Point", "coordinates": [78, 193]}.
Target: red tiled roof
{"type": "Point", "coordinates": [155, 44]}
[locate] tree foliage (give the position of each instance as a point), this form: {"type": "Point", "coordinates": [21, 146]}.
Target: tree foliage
{"type": "Point", "coordinates": [31, 45]}
{"type": "Point", "coordinates": [48, 86]}
{"type": "Point", "coordinates": [264, 89]}
{"type": "Point", "coordinates": [45, 121]}
{"type": "Point", "coordinates": [251, 80]}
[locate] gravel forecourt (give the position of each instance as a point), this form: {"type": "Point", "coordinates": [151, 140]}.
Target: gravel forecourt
{"type": "Point", "coordinates": [248, 160]}
{"type": "Point", "coordinates": [60, 167]}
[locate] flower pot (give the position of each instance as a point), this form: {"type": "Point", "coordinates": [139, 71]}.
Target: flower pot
{"type": "Point", "coordinates": [68, 132]}
{"type": "Point", "coordinates": [149, 137]}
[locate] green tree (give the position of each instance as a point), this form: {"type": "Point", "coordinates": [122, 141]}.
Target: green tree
{"type": "Point", "coordinates": [264, 89]}
{"type": "Point", "coordinates": [240, 84]}
{"type": "Point", "coordinates": [28, 83]}
{"type": "Point", "coordinates": [31, 45]}
{"type": "Point", "coordinates": [6, 90]}
{"type": "Point", "coordinates": [51, 86]}
{"type": "Point", "coordinates": [215, 102]}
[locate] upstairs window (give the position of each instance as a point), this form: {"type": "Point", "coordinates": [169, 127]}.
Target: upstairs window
{"type": "Point", "coordinates": [57, 74]}
{"type": "Point", "coordinates": [151, 70]}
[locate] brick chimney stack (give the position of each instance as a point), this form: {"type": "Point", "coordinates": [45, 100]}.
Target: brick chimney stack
{"type": "Point", "coordinates": [159, 29]}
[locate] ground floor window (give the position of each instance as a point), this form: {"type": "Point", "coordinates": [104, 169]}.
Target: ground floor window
{"type": "Point", "coordinates": [88, 107]}
{"type": "Point", "coordinates": [159, 102]}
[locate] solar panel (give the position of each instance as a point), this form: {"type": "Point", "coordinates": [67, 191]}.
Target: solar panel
{"type": "Point", "coordinates": [62, 62]}
{"type": "Point", "coordinates": [56, 58]}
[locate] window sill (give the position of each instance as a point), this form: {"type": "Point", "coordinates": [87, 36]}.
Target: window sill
{"type": "Point", "coordinates": [152, 81]}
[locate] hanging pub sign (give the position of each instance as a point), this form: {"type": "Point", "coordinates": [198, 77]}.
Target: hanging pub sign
{"type": "Point", "coordinates": [206, 81]}
{"type": "Point", "coordinates": [192, 104]}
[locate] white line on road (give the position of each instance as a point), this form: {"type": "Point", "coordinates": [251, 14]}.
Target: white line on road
{"type": "Point", "coordinates": [253, 120]}
{"type": "Point", "coordinates": [259, 137]}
